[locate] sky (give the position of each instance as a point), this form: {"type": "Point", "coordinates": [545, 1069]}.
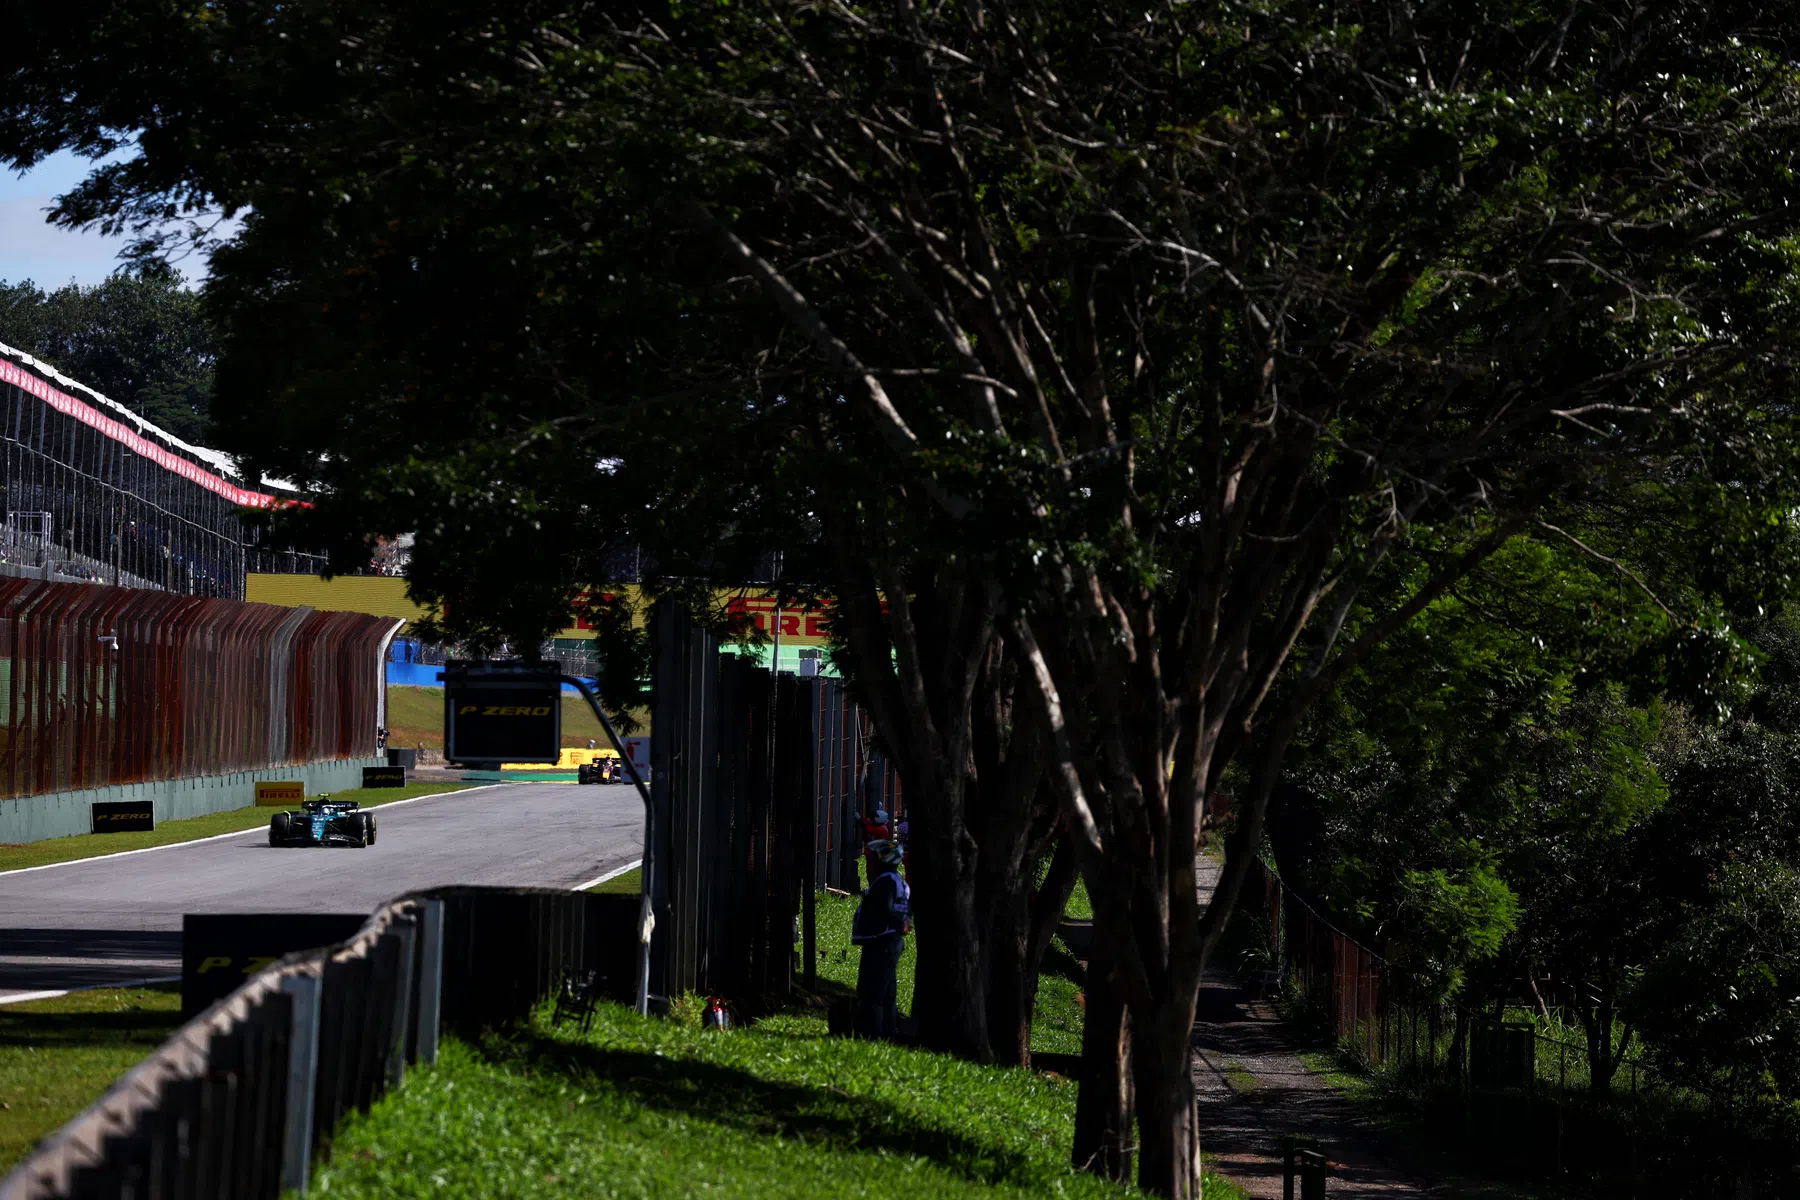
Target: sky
{"type": "Point", "coordinates": [48, 255]}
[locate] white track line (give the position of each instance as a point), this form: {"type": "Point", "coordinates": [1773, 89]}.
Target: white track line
{"type": "Point", "coordinates": [75, 862]}
{"type": "Point", "coordinates": [612, 874]}
{"type": "Point", "coordinates": [23, 997]}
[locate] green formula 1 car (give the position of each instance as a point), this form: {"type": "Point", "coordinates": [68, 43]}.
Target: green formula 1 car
{"type": "Point", "coordinates": [323, 822]}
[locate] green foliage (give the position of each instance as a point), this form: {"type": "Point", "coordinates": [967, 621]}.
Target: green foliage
{"type": "Point", "coordinates": [686, 1010]}
{"type": "Point", "coordinates": [1720, 1003]}
{"type": "Point", "coordinates": [1509, 816]}
{"type": "Point", "coordinates": [480, 224]}
{"type": "Point", "coordinates": [1478, 752]}
{"type": "Point", "coordinates": [1456, 917]}
{"type": "Point", "coordinates": [138, 338]}
{"type": "Point", "coordinates": [623, 648]}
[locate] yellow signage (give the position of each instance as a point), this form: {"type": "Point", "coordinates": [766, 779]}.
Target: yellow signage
{"type": "Point", "coordinates": [571, 759]}
{"type": "Point", "coordinates": [280, 795]}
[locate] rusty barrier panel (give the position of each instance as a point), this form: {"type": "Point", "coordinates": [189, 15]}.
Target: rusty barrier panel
{"type": "Point", "coordinates": [103, 685]}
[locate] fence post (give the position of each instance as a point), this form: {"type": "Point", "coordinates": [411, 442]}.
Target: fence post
{"type": "Point", "coordinates": [1312, 1175]}
{"type": "Point", "coordinates": [1562, 1098]}
{"type": "Point", "coordinates": [431, 982]}
{"type": "Point", "coordinates": [405, 930]}
{"type": "Point", "coordinates": [302, 1075]}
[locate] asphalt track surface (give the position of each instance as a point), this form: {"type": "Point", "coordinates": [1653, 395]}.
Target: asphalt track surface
{"type": "Point", "coordinates": [118, 919]}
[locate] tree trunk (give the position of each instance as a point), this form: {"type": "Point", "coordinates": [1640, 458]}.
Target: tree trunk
{"type": "Point", "coordinates": [1459, 1042]}
{"type": "Point", "coordinates": [917, 680]}
{"type": "Point", "coordinates": [1020, 924]}
{"type": "Point", "coordinates": [948, 999]}
{"type": "Point", "coordinates": [1168, 1128]}
{"type": "Point", "coordinates": [1103, 1106]}
{"type": "Point", "coordinates": [1603, 1064]}
{"type": "Point", "coordinates": [1048, 906]}
{"type": "Point", "coordinates": [1006, 941]}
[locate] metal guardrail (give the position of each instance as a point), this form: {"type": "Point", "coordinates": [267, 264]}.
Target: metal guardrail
{"type": "Point", "coordinates": [241, 1099]}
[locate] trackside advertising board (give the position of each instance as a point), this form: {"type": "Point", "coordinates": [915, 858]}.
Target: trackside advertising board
{"type": "Point", "coordinates": [502, 712]}
{"type": "Point", "coordinates": [285, 794]}
{"type": "Point", "coordinates": [221, 950]}
{"type": "Point", "coordinates": [124, 816]}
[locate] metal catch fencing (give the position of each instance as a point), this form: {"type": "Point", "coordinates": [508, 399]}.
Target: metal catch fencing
{"type": "Point", "coordinates": [102, 685]}
{"type": "Point", "coordinates": [243, 1098]}
{"type": "Point", "coordinates": [91, 491]}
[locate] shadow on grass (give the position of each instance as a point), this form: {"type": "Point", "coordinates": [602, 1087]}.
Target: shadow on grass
{"type": "Point", "coordinates": [740, 1100]}
{"type": "Point", "coordinates": [146, 1027]}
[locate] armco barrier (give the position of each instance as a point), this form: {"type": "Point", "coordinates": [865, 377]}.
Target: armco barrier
{"type": "Point", "coordinates": [244, 1096]}
{"type": "Point", "coordinates": [102, 686]}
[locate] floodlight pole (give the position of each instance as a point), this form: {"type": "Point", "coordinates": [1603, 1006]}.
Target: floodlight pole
{"type": "Point", "coordinates": [646, 913]}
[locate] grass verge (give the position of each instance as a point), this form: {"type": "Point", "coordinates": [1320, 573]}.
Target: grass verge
{"type": "Point", "coordinates": [631, 883]}
{"type": "Point", "coordinates": [57, 1056]}
{"type": "Point", "coordinates": [91, 845]}
{"type": "Point", "coordinates": [638, 1107]}
{"type": "Point", "coordinates": [1056, 1018]}
{"type": "Point", "coordinates": [838, 959]}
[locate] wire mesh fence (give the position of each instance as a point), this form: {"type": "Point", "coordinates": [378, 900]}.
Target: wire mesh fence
{"type": "Point", "coordinates": [90, 492]}
{"type": "Point", "coordinates": [104, 685]}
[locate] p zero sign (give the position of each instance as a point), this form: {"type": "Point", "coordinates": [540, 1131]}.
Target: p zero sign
{"type": "Point", "coordinates": [125, 816]}
{"type": "Point", "coordinates": [219, 951]}
{"type": "Point", "coordinates": [497, 712]}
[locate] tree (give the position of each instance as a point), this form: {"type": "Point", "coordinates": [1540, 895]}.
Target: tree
{"type": "Point", "coordinates": [1543, 737]}
{"type": "Point", "coordinates": [1127, 347]}
{"type": "Point", "coordinates": [1717, 1006]}
{"type": "Point", "coordinates": [137, 338]}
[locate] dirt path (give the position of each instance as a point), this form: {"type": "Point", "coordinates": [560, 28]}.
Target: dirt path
{"type": "Point", "coordinates": [1252, 1088]}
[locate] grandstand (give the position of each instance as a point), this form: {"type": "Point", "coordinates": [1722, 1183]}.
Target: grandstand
{"type": "Point", "coordinates": [92, 492]}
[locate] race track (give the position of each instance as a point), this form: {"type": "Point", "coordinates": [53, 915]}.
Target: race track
{"type": "Point", "coordinates": [119, 918]}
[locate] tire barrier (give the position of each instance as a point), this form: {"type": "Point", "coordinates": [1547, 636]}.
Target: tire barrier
{"type": "Point", "coordinates": [242, 1099]}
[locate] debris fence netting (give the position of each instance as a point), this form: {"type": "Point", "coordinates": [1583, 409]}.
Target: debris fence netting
{"type": "Point", "coordinates": [104, 685]}
{"type": "Point", "coordinates": [90, 492]}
